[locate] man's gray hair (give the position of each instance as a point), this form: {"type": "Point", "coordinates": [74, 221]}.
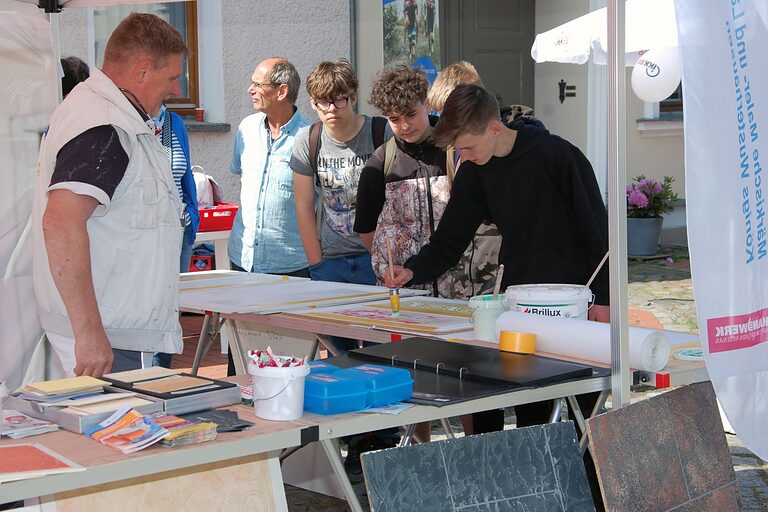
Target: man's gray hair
{"type": "Point", "coordinates": [283, 72]}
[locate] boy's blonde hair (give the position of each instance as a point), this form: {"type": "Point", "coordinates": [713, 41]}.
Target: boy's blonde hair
{"type": "Point", "coordinates": [461, 72]}
{"type": "Point", "coordinates": [333, 80]}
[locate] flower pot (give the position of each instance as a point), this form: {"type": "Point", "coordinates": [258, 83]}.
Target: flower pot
{"type": "Point", "coordinates": [643, 236]}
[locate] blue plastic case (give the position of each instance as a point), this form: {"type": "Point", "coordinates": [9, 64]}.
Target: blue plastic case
{"type": "Point", "coordinates": [385, 384]}
{"type": "Point", "coordinates": [316, 367]}
{"type": "Point", "coordinates": [332, 393]}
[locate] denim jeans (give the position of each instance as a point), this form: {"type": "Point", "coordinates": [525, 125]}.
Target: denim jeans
{"type": "Point", "coordinates": [344, 269]}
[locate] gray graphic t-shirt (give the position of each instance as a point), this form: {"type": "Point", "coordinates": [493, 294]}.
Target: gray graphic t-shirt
{"type": "Point", "coordinates": [339, 166]}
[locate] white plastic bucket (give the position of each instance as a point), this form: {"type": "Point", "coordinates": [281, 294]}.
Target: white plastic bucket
{"type": "Point", "coordinates": [278, 393]}
{"type": "Point", "coordinates": [553, 300]}
{"type": "Point", "coordinates": [485, 312]}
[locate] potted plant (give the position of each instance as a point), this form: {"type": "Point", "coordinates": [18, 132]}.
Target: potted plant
{"type": "Point", "coordinates": [647, 201]}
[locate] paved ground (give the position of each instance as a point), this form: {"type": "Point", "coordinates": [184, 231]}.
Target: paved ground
{"type": "Point", "coordinates": [660, 294]}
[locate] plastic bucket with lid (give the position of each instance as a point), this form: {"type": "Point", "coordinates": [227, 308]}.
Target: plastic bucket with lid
{"type": "Point", "coordinates": [552, 300]}
{"type": "Point", "coordinates": [485, 311]}
{"type": "Point", "coordinates": [278, 393]}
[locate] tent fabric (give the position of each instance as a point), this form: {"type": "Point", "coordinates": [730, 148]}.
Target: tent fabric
{"type": "Point", "coordinates": [27, 99]}
{"type": "Point", "coordinates": [649, 24]}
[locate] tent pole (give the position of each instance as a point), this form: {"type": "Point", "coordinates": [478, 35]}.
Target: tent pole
{"type": "Point", "coordinates": [617, 210]}
{"type": "Point", "coordinates": [53, 18]}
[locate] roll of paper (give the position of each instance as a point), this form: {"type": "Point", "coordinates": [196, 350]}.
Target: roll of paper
{"type": "Point", "coordinates": [582, 339]}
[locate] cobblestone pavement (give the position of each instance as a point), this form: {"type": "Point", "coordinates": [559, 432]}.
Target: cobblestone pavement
{"type": "Point", "coordinates": [661, 286]}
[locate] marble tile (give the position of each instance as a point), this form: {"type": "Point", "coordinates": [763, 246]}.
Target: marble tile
{"type": "Point", "coordinates": [724, 499]}
{"type": "Point", "coordinates": [662, 453]}
{"type": "Point", "coordinates": [529, 469]}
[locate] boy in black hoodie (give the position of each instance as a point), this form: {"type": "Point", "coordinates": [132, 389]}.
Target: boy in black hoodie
{"type": "Point", "coordinates": [539, 189]}
{"type": "Point", "coordinates": [541, 192]}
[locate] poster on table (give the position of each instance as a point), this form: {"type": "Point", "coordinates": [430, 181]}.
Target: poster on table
{"type": "Point", "coordinates": [725, 95]}
{"type": "Point", "coordinates": [412, 35]}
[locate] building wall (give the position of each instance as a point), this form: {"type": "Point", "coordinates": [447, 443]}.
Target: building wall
{"type": "Point", "coordinates": [653, 156]}
{"type": "Point", "coordinates": [304, 31]}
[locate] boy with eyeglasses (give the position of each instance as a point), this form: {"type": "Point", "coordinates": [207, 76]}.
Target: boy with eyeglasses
{"type": "Point", "coordinates": [327, 160]}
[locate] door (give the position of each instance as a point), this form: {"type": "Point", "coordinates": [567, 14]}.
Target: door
{"type": "Point", "coordinates": [496, 36]}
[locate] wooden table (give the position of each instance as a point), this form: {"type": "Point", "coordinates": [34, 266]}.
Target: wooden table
{"type": "Point", "coordinates": [237, 471]}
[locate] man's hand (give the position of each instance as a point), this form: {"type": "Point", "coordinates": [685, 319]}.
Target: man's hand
{"type": "Point", "coordinates": [600, 313]}
{"type": "Point", "coordinates": [401, 276]}
{"type": "Point", "coordinates": [93, 355]}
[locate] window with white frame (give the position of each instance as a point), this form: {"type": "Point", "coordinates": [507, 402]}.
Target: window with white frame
{"type": "Point", "coordinates": [183, 16]}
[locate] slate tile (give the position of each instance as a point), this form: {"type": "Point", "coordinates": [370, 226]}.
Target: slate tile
{"type": "Point", "coordinates": [636, 458]}
{"type": "Point", "coordinates": [402, 479]}
{"type": "Point", "coordinates": [537, 468]}
{"type": "Point", "coordinates": [700, 438]}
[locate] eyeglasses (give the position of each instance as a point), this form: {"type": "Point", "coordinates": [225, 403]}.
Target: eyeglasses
{"type": "Point", "coordinates": [325, 105]}
{"type": "Point", "coordinates": [258, 85]}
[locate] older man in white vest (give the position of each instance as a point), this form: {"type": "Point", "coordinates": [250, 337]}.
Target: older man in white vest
{"type": "Point", "coordinates": [106, 221]}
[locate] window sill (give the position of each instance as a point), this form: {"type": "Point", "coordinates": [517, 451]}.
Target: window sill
{"type": "Point", "coordinates": [668, 124]}
{"type": "Point", "coordinates": [197, 126]}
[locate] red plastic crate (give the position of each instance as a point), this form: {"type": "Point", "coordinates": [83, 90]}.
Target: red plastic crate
{"type": "Point", "coordinates": [198, 263]}
{"type": "Point", "coordinates": [217, 218]}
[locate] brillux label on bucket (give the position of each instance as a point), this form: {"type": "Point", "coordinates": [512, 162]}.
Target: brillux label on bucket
{"type": "Point", "coordinates": [552, 300]}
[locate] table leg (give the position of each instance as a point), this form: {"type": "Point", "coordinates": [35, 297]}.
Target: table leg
{"type": "Point", "coordinates": [408, 435]}
{"type": "Point", "coordinates": [236, 348]}
{"type": "Point", "coordinates": [200, 351]}
{"type": "Point", "coordinates": [207, 337]}
{"type": "Point", "coordinates": [573, 405]}
{"type": "Point", "coordinates": [220, 251]}
{"type": "Point", "coordinates": [327, 345]}
{"type": "Point", "coordinates": [334, 457]}
{"type": "Point", "coordinates": [557, 410]}
{"type": "Point", "coordinates": [447, 428]}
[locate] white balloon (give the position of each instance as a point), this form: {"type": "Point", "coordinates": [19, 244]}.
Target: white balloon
{"type": "Point", "coordinates": [656, 74]}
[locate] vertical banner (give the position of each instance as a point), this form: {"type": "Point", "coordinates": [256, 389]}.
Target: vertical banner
{"type": "Point", "coordinates": [725, 94]}
{"type": "Point", "coordinates": [412, 35]}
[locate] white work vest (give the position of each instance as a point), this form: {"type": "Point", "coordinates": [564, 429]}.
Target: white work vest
{"type": "Point", "coordinates": [135, 240]}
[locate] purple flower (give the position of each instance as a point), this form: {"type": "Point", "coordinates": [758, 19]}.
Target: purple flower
{"type": "Point", "coordinates": [656, 187]}
{"type": "Point", "coordinates": [638, 199]}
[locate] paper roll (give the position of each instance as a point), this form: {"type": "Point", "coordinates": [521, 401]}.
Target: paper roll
{"type": "Point", "coordinates": [582, 339]}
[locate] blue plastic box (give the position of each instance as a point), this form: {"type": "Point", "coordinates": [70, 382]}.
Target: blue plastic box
{"type": "Point", "coordinates": [385, 384]}
{"type": "Point", "coordinates": [316, 367]}
{"type": "Point", "coordinates": [332, 393]}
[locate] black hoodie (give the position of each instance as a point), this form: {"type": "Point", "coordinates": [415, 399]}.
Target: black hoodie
{"type": "Point", "coordinates": [544, 198]}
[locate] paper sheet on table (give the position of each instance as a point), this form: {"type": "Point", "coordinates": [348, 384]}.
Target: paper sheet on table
{"type": "Point", "coordinates": [419, 315]}
{"type": "Point", "coordinates": [283, 295]}
{"type": "Point", "coordinates": [581, 339]}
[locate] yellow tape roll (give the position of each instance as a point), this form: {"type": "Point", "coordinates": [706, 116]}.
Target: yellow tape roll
{"type": "Point", "coordinates": [520, 342]}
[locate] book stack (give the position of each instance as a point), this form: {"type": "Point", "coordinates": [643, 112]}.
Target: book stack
{"type": "Point", "coordinates": [127, 431]}
{"type": "Point", "coordinates": [182, 432]}
{"type": "Point", "coordinates": [62, 389]}
{"type": "Point", "coordinates": [17, 425]}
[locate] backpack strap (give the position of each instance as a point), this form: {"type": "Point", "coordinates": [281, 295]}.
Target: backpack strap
{"type": "Point", "coordinates": [378, 129]}
{"type": "Point", "coordinates": [314, 147]}
{"type": "Point", "coordinates": [389, 155]}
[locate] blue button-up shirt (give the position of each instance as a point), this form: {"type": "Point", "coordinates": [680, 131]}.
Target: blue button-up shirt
{"type": "Point", "coordinates": [265, 235]}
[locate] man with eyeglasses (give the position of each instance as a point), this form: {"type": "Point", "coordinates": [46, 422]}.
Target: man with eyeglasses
{"type": "Point", "coordinates": [265, 235]}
